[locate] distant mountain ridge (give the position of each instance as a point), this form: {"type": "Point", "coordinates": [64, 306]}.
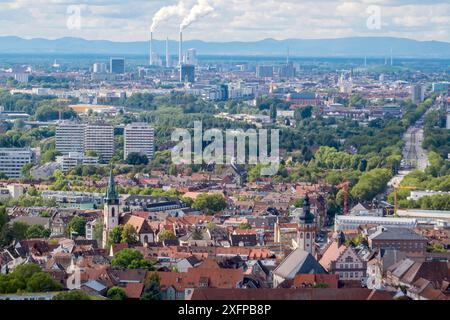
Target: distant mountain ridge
{"type": "Point", "coordinates": [340, 47]}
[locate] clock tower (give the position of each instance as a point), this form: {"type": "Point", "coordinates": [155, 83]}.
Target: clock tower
{"type": "Point", "coordinates": [306, 232]}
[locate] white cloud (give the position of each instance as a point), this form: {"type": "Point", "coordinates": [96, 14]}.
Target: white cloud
{"type": "Point", "coordinates": [232, 20]}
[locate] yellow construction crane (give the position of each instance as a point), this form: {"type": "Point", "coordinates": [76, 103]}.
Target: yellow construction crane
{"type": "Point", "coordinates": [395, 195]}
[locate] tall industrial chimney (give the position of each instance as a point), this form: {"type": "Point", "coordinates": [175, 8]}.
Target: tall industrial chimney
{"type": "Point", "coordinates": [167, 53]}
{"type": "Point", "coordinates": [180, 50]}
{"type": "Point", "coordinates": [151, 48]}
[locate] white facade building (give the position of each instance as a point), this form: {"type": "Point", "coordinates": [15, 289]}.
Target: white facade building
{"type": "Point", "coordinates": [139, 138]}
{"type": "Point", "coordinates": [70, 137]}
{"type": "Point", "coordinates": [100, 139]}
{"type": "Point", "coordinates": [191, 57]}
{"type": "Point", "coordinates": [74, 159]}
{"type": "Point", "coordinates": [12, 161]}
{"type": "Point", "coordinates": [353, 222]}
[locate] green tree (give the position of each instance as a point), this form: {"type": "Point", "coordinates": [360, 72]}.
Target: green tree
{"type": "Point", "coordinates": [116, 293]}
{"type": "Point", "coordinates": [245, 226]}
{"type": "Point", "coordinates": [135, 158]}
{"type": "Point", "coordinates": [210, 202]}
{"type": "Point", "coordinates": [49, 156]}
{"type": "Point", "coordinates": [129, 235]}
{"type": "Point", "coordinates": [115, 235]}
{"type": "Point", "coordinates": [130, 259]}
{"type": "Point", "coordinates": [42, 282]}
{"type": "Point", "coordinates": [37, 231]}
{"type": "Point", "coordinates": [166, 235]}
{"type": "Point", "coordinates": [19, 230]}
{"type": "Point", "coordinates": [77, 225]}
{"type": "Point", "coordinates": [152, 292]}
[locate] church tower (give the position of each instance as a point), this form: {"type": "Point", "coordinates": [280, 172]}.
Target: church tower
{"type": "Point", "coordinates": [110, 209]}
{"type": "Point", "coordinates": [306, 232]}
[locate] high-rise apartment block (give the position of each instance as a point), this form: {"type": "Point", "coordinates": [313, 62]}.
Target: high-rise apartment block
{"type": "Point", "coordinates": [100, 139]}
{"type": "Point", "coordinates": [139, 138]}
{"type": "Point", "coordinates": [70, 137]}
{"type": "Point", "coordinates": [12, 160]}
{"type": "Point", "coordinates": [76, 138]}
{"type": "Point", "coordinates": [417, 93]}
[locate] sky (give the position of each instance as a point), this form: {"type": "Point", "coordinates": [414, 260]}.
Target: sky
{"type": "Point", "coordinates": [231, 20]}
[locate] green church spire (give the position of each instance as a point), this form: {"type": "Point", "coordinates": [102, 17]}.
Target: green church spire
{"type": "Point", "coordinates": [112, 196]}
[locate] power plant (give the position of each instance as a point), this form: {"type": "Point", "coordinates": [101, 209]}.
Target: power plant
{"type": "Point", "coordinates": [180, 49]}
{"type": "Point", "coordinates": [167, 54]}
{"type": "Point", "coordinates": [151, 48]}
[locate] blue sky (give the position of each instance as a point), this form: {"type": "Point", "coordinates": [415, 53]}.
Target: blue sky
{"type": "Point", "coordinates": [244, 20]}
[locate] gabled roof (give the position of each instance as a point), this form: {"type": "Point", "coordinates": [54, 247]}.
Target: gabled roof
{"type": "Point", "coordinates": [139, 224]}
{"type": "Point", "coordinates": [95, 285]}
{"type": "Point", "coordinates": [331, 254]}
{"type": "Point", "coordinates": [298, 261]}
{"type": "Point", "coordinates": [213, 277]}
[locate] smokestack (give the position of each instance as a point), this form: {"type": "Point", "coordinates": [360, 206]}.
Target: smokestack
{"type": "Point", "coordinates": [151, 48]}
{"type": "Point", "coordinates": [392, 58]}
{"type": "Point", "coordinates": [167, 53]}
{"type": "Point", "coordinates": [180, 49]}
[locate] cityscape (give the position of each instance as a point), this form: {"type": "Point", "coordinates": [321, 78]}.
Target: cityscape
{"type": "Point", "coordinates": [159, 165]}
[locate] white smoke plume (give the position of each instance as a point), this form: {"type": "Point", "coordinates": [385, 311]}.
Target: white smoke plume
{"type": "Point", "coordinates": [201, 9]}
{"type": "Point", "coordinates": [165, 13]}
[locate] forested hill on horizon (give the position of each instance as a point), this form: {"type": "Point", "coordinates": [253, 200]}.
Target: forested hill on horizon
{"type": "Point", "coordinates": [341, 47]}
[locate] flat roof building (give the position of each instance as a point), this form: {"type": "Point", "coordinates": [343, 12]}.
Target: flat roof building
{"type": "Point", "coordinates": [12, 160]}
{"type": "Point", "coordinates": [139, 138]}
{"type": "Point", "coordinates": [100, 139]}
{"type": "Point", "coordinates": [69, 137]}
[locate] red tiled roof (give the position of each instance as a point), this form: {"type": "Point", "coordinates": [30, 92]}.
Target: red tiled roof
{"type": "Point", "coordinates": [310, 279]}
{"type": "Point", "coordinates": [202, 276]}
{"type": "Point", "coordinates": [290, 294]}
{"type": "Point", "coordinates": [134, 290]}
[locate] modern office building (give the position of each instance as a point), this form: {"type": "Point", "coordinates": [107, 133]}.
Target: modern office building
{"type": "Point", "coordinates": [187, 73]}
{"type": "Point", "coordinates": [287, 71]}
{"type": "Point", "coordinates": [264, 71]}
{"type": "Point", "coordinates": [139, 138]}
{"type": "Point", "coordinates": [191, 57]}
{"type": "Point", "coordinates": [99, 67]}
{"type": "Point", "coordinates": [117, 65]}
{"type": "Point", "coordinates": [12, 160]}
{"type": "Point", "coordinates": [100, 139]}
{"type": "Point", "coordinates": [70, 137]}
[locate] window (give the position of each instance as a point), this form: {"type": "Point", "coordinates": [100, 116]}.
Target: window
{"type": "Point", "coordinates": [113, 212]}
{"type": "Point", "coordinates": [307, 235]}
